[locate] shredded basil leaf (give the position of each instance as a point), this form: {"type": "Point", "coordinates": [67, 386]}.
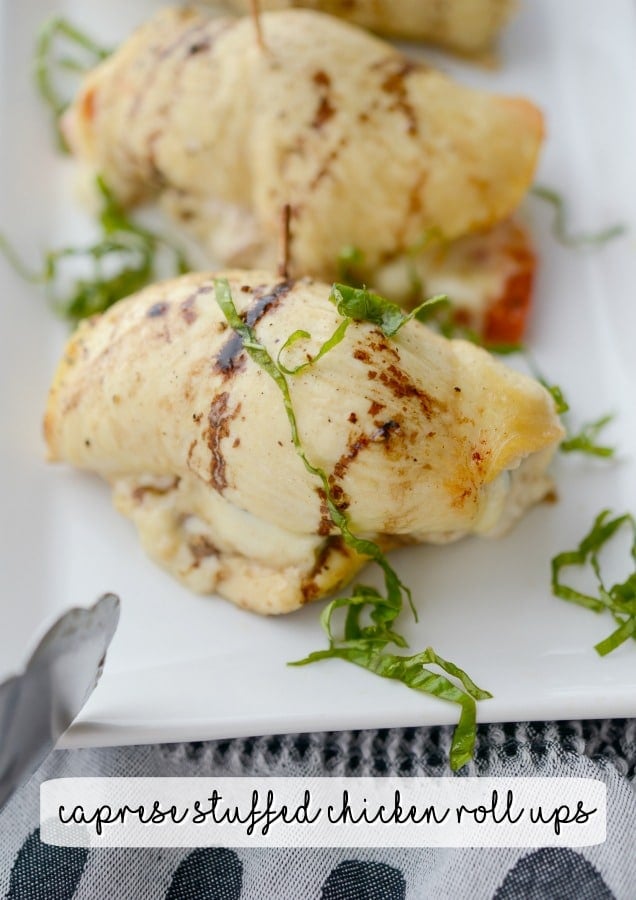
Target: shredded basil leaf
{"type": "Point", "coordinates": [129, 248]}
{"type": "Point", "coordinates": [17, 264]}
{"type": "Point", "coordinates": [585, 440]}
{"type": "Point", "coordinates": [561, 404]}
{"type": "Point", "coordinates": [362, 305]}
{"type": "Point", "coordinates": [559, 224]}
{"type": "Point", "coordinates": [619, 599]}
{"type": "Point", "coordinates": [50, 63]}
{"type": "Point", "coordinates": [412, 671]}
{"type": "Point", "coordinates": [299, 335]}
{"type": "Point", "coordinates": [364, 643]}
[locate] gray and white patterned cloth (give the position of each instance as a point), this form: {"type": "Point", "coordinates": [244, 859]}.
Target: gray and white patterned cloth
{"type": "Point", "coordinates": [605, 750]}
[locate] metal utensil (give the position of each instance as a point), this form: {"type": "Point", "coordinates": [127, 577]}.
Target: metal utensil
{"type": "Point", "coordinates": [39, 704]}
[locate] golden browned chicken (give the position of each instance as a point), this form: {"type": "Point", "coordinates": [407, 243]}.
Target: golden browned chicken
{"type": "Point", "coordinates": [467, 26]}
{"type": "Point", "coordinates": [370, 149]}
{"type": "Point", "coordinates": [420, 438]}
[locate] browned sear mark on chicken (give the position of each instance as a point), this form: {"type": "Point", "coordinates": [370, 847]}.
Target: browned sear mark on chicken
{"type": "Point", "coordinates": [379, 344]}
{"type": "Point", "coordinates": [186, 37]}
{"type": "Point", "coordinates": [326, 525]}
{"type": "Point", "coordinates": [375, 345]}
{"type": "Point", "coordinates": [325, 109]}
{"type": "Point", "coordinates": [480, 456]}
{"type": "Point", "coordinates": [191, 450]}
{"type": "Point", "coordinates": [158, 54]}
{"type": "Point", "coordinates": [384, 431]}
{"type": "Point", "coordinates": [461, 498]}
{"type": "Point", "coordinates": [325, 168]}
{"type": "Point", "coordinates": [265, 302]}
{"type": "Point", "coordinates": [201, 547]}
{"type": "Point", "coordinates": [324, 112]}
{"type": "Point", "coordinates": [157, 309]}
{"type": "Point", "coordinates": [198, 47]}
{"type": "Point", "coordinates": [187, 309]}
{"type": "Point", "coordinates": [381, 434]}
{"type": "Point", "coordinates": [321, 78]}
{"type": "Point", "coordinates": [219, 427]}
{"type": "Point", "coordinates": [154, 490]}
{"type": "Point", "coordinates": [231, 357]}
{"type": "Point", "coordinates": [348, 457]}
{"type": "Point", "coordinates": [333, 544]}
{"type": "Point", "coordinates": [156, 175]}
{"type": "Point", "coordinates": [401, 386]}
{"type": "Point", "coordinates": [415, 196]}
{"type": "Point", "coordinates": [394, 83]}
{"type": "Point", "coordinates": [339, 497]}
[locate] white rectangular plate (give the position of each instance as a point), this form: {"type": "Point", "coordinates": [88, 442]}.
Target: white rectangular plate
{"type": "Point", "coordinates": [185, 667]}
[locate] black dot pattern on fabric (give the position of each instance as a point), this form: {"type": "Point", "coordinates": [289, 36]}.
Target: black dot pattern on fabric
{"type": "Point", "coordinates": [380, 765]}
{"type": "Point", "coordinates": [274, 745]}
{"type": "Point", "coordinates": [613, 740]}
{"type": "Point", "coordinates": [213, 873]}
{"type": "Point", "coordinates": [357, 880]}
{"type": "Point", "coordinates": [44, 872]}
{"type": "Point", "coordinates": [418, 751]}
{"type": "Point", "coordinates": [301, 745]}
{"type": "Point", "coordinates": [553, 873]}
{"type": "Point", "coordinates": [195, 750]}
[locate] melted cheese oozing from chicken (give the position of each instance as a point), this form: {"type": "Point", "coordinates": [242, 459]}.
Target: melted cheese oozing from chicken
{"type": "Point", "coordinates": [488, 278]}
{"type": "Point", "coordinates": [468, 26]}
{"type": "Point", "coordinates": [369, 148]}
{"type": "Point", "coordinates": [423, 439]}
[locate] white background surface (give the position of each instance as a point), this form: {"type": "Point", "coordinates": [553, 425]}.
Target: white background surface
{"type": "Point", "coordinates": [185, 667]}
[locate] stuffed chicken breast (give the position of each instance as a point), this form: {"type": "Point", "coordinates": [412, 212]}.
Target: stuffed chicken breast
{"type": "Point", "coordinates": [371, 150]}
{"type": "Point", "coordinates": [420, 438]}
{"type": "Point", "coordinates": [467, 26]}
